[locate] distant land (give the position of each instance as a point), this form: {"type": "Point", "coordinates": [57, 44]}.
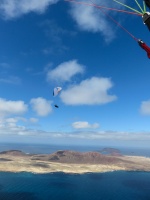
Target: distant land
{"type": "Point", "coordinates": [111, 151]}
{"type": "Point", "coordinates": [71, 162]}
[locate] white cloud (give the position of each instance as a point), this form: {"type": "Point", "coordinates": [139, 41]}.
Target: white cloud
{"type": "Point", "coordinates": [9, 126]}
{"type": "Point", "coordinates": [89, 92]}
{"type": "Point", "coordinates": [145, 107]}
{"type": "Point", "coordinates": [14, 8]}
{"type": "Point", "coordinates": [84, 125]}
{"type": "Point", "coordinates": [65, 71]}
{"type": "Point", "coordinates": [11, 120]}
{"type": "Point", "coordinates": [12, 107]}
{"type": "Point", "coordinates": [33, 120]}
{"type": "Point", "coordinates": [41, 106]}
{"type": "Point", "coordinates": [90, 19]}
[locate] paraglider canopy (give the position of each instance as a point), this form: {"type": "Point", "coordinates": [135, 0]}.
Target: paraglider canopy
{"type": "Point", "coordinates": [56, 91]}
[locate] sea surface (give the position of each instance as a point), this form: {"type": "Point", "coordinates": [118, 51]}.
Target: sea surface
{"type": "Point", "coordinates": [120, 185]}
{"type": "Point", "coordinates": [48, 149]}
{"type": "Point", "coordinates": [60, 186]}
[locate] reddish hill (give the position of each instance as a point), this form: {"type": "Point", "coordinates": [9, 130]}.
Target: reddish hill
{"type": "Point", "coordinates": [13, 153]}
{"type": "Point", "coordinates": [78, 157]}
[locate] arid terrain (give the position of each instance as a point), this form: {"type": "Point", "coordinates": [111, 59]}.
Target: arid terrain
{"type": "Point", "coordinates": [70, 162]}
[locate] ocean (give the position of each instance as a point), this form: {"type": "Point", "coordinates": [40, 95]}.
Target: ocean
{"type": "Point", "coordinates": [60, 186]}
{"type": "Point", "coordinates": [120, 185]}
{"type": "Point", "coordinates": [48, 149]}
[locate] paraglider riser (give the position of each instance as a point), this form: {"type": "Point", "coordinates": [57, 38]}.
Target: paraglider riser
{"type": "Point", "coordinates": [146, 19]}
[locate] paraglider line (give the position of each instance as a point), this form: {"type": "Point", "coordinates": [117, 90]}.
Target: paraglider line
{"type": "Point", "coordinates": [139, 6]}
{"type": "Point", "coordinates": [97, 6]}
{"type": "Point", "coordinates": [128, 7]}
{"type": "Point", "coordinates": [144, 6]}
{"type": "Point", "coordinates": [118, 24]}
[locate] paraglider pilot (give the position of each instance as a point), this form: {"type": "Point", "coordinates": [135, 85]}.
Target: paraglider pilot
{"type": "Point", "coordinates": [56, 106]}
{"type": "Point", "coordinates": [145, 47]}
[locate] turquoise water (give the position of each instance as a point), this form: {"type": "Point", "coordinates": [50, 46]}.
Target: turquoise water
{"type": "Point", "coordinates": [60, 186]}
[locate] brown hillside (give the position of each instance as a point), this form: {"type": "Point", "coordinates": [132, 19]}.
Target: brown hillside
{"type": "Point", "coordinates": [78, 158]}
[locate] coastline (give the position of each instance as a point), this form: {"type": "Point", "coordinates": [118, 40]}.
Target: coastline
{"type": "Point", "coordinates": [65, 168]}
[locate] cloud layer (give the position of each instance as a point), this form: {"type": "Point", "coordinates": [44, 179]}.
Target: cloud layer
{"type": "Point", "coordinates": [10, 127]}
{"type": "Point", "coordinates": [89, 92]}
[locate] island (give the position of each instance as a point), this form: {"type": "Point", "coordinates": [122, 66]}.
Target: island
{"type": "Point", "coordinates": [70, 162]}
{"type": "Point", "coordinates": [111, 151]}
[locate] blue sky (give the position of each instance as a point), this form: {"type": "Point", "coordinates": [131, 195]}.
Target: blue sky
{"type": "Point", "coordinates": [104, 74]}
